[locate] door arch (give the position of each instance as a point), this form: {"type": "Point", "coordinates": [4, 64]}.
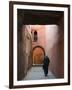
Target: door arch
{"type": "Point", "coordinates": [38, 55]}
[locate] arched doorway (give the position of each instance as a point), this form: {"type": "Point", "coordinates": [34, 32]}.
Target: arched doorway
{"type": "Point", "coordinates": [38, 55]}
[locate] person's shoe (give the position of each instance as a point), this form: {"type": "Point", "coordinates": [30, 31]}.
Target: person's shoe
{"type": "Point", "coordinates": [45, 75]}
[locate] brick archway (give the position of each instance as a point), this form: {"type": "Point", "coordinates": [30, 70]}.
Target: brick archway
{"type": "Point", "coordinates": [38, 54]}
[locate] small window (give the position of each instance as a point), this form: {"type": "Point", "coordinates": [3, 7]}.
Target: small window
{"type": "Point", "coordinates": [35, 36]}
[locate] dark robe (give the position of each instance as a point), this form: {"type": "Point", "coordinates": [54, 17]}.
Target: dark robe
{"type": "Point", "coordinates": [46, 65]}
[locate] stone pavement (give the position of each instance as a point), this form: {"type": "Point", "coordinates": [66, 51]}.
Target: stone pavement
{"type": "Point", "coordinates": [37, 73]}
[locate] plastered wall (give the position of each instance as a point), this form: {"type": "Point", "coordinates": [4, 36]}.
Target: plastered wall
{"type": "Point", "coordinates": [55, 48]}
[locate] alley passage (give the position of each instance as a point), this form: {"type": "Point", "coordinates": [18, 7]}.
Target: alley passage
{"type": "Point", "coordinates": [36, 73]}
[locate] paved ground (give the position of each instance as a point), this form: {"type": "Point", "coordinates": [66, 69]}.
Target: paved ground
{"type": "Point", "coordinates": [36, 73]}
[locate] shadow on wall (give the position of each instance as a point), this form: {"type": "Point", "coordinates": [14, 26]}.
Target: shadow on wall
{"type": "Point", "coordinates": [24, 52]}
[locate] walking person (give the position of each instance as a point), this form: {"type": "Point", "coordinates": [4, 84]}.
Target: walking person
{"type": "Point", "coordinates": [46, 65]}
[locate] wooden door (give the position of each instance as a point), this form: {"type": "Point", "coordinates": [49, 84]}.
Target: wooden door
{"type": "Point", "coordinates": [38, 55]}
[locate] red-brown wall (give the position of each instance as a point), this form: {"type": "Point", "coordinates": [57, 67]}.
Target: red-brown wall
{"type": "Point", "coordinates": [55, 48]}
{"type": "Point", "coordinates": [41, 35]}
{"type": "Point", "coordinates": [24, 52]}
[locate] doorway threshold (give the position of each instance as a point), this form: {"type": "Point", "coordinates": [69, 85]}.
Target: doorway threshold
{"type": "Point", "coordinates": [37, 65]}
